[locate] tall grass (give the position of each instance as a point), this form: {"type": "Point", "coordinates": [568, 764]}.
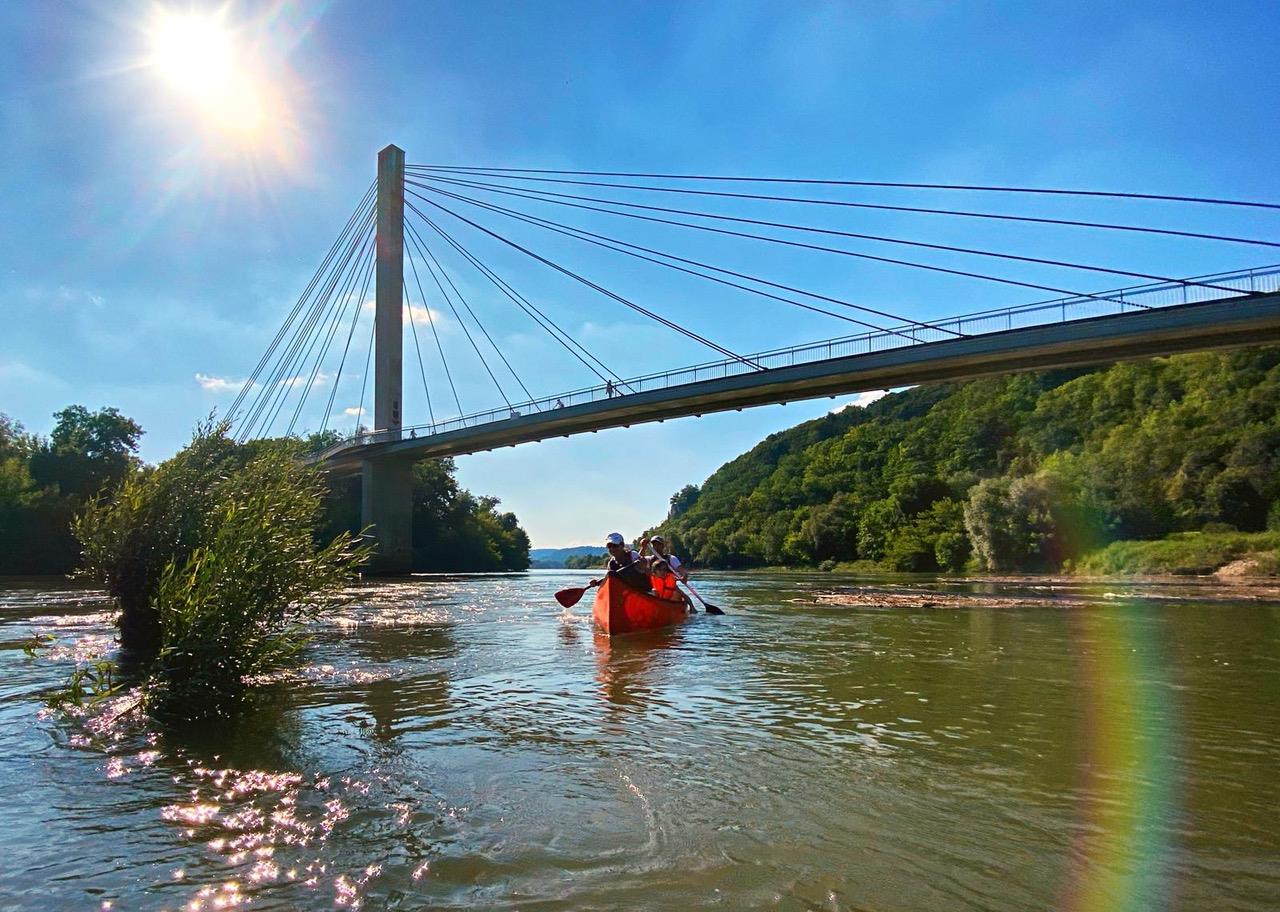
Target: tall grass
{"type": "Point", "coordinates": [213, 558]}
{"type": "Point", "coordinates": [1182, 553]}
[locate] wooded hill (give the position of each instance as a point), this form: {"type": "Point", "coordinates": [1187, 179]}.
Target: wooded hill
{"type": "Point", "coordinates": [1023, 472]}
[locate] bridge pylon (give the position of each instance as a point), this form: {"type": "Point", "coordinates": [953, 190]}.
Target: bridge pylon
{"type": "Point", "coordinates": [387, 483]}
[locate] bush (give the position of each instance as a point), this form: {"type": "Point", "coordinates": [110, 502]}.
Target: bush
{"type": "Point", "coordinates": [1218, 527]}
{"type": "Point", "coordinates": [215, 550]}
{"type": "Point", "coordinates": [1034, 522]}
{"type": "Point", "coordinates": [157, 517]}
{"type": "Point", "coordinates": [951, 550]}
{"type": "Point", "coordinates": [1182, 553]}
{"type": "Point", "coordinates": [877, 524]}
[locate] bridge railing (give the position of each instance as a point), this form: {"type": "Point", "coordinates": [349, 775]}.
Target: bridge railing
{"type": "Point", "coordinates": [1041, 313]}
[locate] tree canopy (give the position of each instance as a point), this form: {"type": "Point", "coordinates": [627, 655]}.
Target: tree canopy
{"type": "Point", "coordinates": [44, 481]}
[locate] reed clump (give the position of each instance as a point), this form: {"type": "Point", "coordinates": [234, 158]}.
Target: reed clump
{"type": "Point", "coordinates": [213, 558]}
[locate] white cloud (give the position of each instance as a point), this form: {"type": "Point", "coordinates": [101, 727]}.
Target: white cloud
{"type": "Point", "coordinates": [219, 384]}
{"type": "Point", "coordinates": [65, 297]}
{"type": "Point", "coordinates": [321, 379]}
{"type": "Point", "coordinates": [419, 315]}
{"type": "Point", "coordinates": [354, 412]}
{"type": "Point", "coordinates": [861, 400]}
{"type": "Point", "coordinates": [423, 316]}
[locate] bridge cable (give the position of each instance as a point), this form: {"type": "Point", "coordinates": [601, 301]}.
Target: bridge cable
{"type": "Point", "coordinates": [365, 202]}
{"type": "Point", "coordinates": [422, 369]}
{"type": "Point", "coordinates": [600, 239]}
{"type": "Point", "coordinates": [820, 248]}
{"type": "Point", "coordinates": [549, 326]}
{"type": "Point", "coordinates": [364, 379]}
{"type": "Point", "coordinates": [590, 284]}
{"type": "Point", "coordinates": [345, 297]}
{"type": "Point", "coordinates": [341, 291]}
{"type": "Point", "coordinates": [501, 188]}
{"type": "Point", "coordinates": [858, 183]}
{"type": "Point", "coordinates": [280, 381]}
{"type": "Point", "coordinates": [457, 316]}
{"type": "Point", "coordinates": [434, 332]}
{"type": "Point", "coordinates": [961, 213]}
{"type": "Point", "coordinates": [283, 379]}
{"type": "Point", "coordinates": [355, 321]}
{"type": "Point", "coordinates": [285, 361]}
{"type": "Point", "coordinates": [422, 244]}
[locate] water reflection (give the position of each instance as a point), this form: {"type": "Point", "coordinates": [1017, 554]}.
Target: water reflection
{"type": "Point", "coordinates": [625, 665]}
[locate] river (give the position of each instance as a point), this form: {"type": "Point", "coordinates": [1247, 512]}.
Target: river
{"type": "Point", "coordinates": [461, 742]}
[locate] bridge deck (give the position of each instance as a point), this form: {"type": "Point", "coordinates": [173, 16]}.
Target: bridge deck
{"type": "Point", "coordinates": [1225, 323]}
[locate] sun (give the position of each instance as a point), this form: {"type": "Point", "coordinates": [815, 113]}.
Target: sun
{"type": "Point", "coordinates": [198, 57]}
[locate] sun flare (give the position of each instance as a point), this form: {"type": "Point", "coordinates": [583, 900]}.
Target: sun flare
{"type": "Point", "coordinates": [198, 57]}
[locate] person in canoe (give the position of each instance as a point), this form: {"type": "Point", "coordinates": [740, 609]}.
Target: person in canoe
{"type": "Point", "coordinates": [626, 564]}
{"type": "Point", "coordinates": [665, 570]}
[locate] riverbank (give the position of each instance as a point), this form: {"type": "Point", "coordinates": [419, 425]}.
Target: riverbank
{"type": "Point", "coordinates": [970, 592]}
{"type": "Point", "coordinates": [1229, 554]}
{"type": "Point", "coordinates": [1235, 557]}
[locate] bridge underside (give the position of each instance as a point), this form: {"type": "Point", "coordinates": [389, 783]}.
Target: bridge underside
{"type": "Point", "coordinates": [1228, 323]}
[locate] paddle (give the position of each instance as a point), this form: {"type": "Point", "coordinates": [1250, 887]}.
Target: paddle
{"type": "Point", "coordinates": [570, 597]}
{"type": "Point", "coordinates": [711, 609]}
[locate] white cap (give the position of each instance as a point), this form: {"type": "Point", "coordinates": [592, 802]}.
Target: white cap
{"type": "Point", "coordinates": [614, 538]}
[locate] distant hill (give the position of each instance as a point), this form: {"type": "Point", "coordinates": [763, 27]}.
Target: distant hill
{"type": "Point", "coordinates": [554, 558]}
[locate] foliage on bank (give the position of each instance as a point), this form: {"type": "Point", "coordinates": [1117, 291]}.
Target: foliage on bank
{"type": "Point", "coordinates": [1185, 553]}
{"type": "Point", "coordinates": [44, 481]}
{"type": "Point", "coordinates": [453, 529]}
{"type": "Point", "coordinates": [1023, 472]}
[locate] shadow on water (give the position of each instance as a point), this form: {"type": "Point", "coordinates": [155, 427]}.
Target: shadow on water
{"type": "Point", "coordinates": [267, 733]}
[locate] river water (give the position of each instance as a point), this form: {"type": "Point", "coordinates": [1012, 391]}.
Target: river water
{"type": "Point", "coordinates": [461, 742]}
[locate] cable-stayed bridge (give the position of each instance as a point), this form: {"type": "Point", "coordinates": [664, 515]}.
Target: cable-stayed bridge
{"type": "Point", "coordinates": [1160, 316]}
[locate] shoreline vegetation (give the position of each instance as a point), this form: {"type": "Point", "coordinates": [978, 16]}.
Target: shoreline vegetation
{"type": "Point", "coordinates": [1223, 555]}
{"type": "Point", "coordinates": [1167, 465]}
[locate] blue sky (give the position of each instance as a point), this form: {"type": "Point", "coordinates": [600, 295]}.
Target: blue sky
{"type": "Point", "coordinates": [148, 255]}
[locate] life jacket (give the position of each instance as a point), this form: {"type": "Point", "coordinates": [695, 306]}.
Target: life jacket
{"type": "Point", "coordinates": [663, 581]}
{"type": "Point", "coordinates": [664, 587]}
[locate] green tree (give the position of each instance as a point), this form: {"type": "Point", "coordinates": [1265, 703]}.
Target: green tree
{"type": "Point", "coordinates": [683, 499]}
{"type": "Point", "coordinates": [43, 482]}
{"type": "Point", "coordinates": [86, 451]}
{"type": "Point", "coordinates": [833, 528]}
{"type": "Point", "coordinates": [879, 521]}
{"type": "Point", "coordinates": [993, 525]}
{"type": "Point", "coordinates": [913, 545]}
{"type": "Point", "coordinates": [321, 440]}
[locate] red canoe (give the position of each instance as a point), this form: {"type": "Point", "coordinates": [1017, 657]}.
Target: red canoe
{"type": "Point", "coordinates": [621, 609]}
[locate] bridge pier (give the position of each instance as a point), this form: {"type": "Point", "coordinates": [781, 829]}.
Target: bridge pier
{"type": "Point", "coordinates": [386, 500]}
{"type": "Point", "coordinates": [386, 503]}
